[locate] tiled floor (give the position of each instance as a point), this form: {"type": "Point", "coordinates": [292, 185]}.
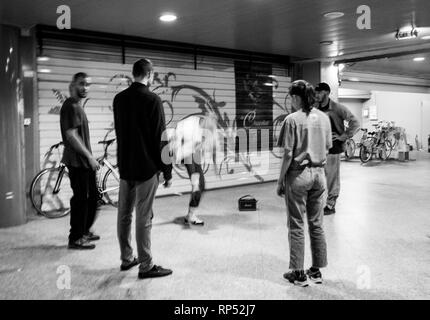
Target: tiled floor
{"type": "Point", "coordinates": [378, 242]}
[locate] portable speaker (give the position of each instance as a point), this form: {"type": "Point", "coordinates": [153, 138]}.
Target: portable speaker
{"type": "Point", "coordinates": [247, 203]}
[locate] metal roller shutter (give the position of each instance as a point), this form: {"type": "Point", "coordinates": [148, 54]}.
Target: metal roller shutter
{"type": "Point", "coordinates": [214, 77]}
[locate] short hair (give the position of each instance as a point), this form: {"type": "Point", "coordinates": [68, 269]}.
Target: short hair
{"type": "Point", "coordinates": [304, 90]}
{"type": "Point", "coordinates": [142, 67]}
{"type": "Point", "coordinates": [78, 75]}
{"type": "Point", "coordinates": [323, 87]}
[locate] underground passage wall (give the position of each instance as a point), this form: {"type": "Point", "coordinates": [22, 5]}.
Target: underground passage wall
{"type": "Point", "coordinates": [244, 95]}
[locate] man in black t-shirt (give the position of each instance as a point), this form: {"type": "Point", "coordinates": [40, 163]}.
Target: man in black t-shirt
{"type": "Point", "coordinates": [82, 166]}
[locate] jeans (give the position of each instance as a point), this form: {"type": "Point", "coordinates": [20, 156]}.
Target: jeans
{"type": "Point", "coordinates": [305, 193]}
{"type": "Point", "coordinates": [83, 204]}
{"type": "Point", "coordinates": [139, 194]}
{"type": "Point", "coordinates": [197, 190]}
{"type": "Point", "coordinates": [332, 172]}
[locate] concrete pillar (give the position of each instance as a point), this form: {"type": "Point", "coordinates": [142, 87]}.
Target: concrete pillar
{"type": "Point", "coordinates": [31, 113]}
{"type": "Point", "coordinates": [329, 74]}
{"type": "Point", "coordinates": [12, 164]}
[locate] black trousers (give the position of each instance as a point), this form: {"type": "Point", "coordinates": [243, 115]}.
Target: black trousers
{"type": "Point", "coordinates": [197, 194]}
{"type": "Point", "coordinates": [83, 204]}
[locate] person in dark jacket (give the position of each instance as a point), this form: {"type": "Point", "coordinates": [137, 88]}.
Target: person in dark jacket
{"type": "Point", "coordinates": [140, 126]}
{"type": "Point", "coordinates": [338, 114]}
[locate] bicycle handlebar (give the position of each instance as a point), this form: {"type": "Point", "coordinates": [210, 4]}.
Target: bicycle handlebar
{"type": "Point", "coordinates": [106, 144]}
{"type": "Point", "coordinates": [53, 147]}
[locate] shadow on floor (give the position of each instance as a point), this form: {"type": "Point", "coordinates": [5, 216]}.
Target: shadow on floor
{"type": "Point", "coordinates": [108, 283]}
{"type": "Point", "coordinates": [42, 247]}
{"type": "Point", "coordinates": [23, 257]}
{"type": "Point", "coordinates": [377, 162]}
{"type": "Point", "coordinates": [8, 271]}
{"type": "Point", "coordinates": [214, 222]}
{"type": "Point", "coordinates": [343, 290]}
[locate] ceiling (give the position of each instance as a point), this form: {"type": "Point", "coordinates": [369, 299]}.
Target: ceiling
{"type": "Point", "coordinates": [284, 27]}
{"type": "Point", "coordinates": [404, 66]}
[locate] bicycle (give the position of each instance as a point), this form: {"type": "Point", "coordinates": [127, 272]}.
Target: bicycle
{"type": "Point", "coordinates": [375, 143]}
{"type": "Point", "coordinates": [50, 190]}
{"type": "Point", "coordinates": [351, 146]}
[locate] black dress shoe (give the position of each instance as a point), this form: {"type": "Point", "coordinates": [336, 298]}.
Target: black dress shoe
{"type": "Point", "coordinates": [129, 265]}
{"type": "Point", "coordinates": [81, 244]}
{"type": "Point", "coordinates": [329, 211]}
{"type": "Point", "coordinates": [91, 236]}
{"type": "Point", "coordinates": [155, 272]}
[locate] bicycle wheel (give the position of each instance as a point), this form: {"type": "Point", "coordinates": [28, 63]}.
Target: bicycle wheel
{"type": "Point", "coordinates": [394, 143]}
{"type": "Point", "coordinates": [365, 154]}
{"type": "Point", "coordinates": [111, 187]}
{"type": "Point", "coordinates": [50, 192]}
{"type": "Point", "coordinates": [349, 148]}
{"type": "Point", "coordinates": [385, 150]}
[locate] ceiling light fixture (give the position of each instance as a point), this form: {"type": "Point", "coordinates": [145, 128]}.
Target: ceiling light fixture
{"type": "Point", "coordinates": [408, 34]}
{"type": "Point", "coordinates": [425, 38]}
{"type": "Point", "coordinates": [333, 15]}
{"type": "Point", "coordinates": [418, 59]}
{"type": "Point", "coordinates": [45, 70]}
{"type": "Point", "coordinates": [168, 17]}
{"type": "Point", "coordinates": [41, 59]}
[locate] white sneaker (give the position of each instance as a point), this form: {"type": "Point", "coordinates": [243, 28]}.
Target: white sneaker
{"type": "Point", "coordinates": [193, 220]}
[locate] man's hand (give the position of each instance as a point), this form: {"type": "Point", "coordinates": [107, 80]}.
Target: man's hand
{"type": "Point", "coordinates": [94, 163]}
{"type": "Point", "coordinates": [337, 137]}
{"type": "Point", "coordinates": [167, 183]}
{"type": "Point", "coordinates": [280, 190]}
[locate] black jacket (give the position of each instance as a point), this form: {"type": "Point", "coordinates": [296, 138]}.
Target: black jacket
{"type": "Point", "coordinates": [139, 126]}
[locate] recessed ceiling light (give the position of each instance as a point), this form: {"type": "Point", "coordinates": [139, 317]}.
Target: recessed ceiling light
{"type": "Point", "coordinates": [426, 38]}
{"type": "Point", "coordinates": [417, 59]}
{"type": "Point", "coordinates": [45, 70]}
{"type": "Point", "coordinates": [168, 17]}
{"type": "Point", "coordinates": [42, 59]}
{"type": "Point", "coordinates": [326, 43]}
{"type": "Point", "coordinates": [333, 15]}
